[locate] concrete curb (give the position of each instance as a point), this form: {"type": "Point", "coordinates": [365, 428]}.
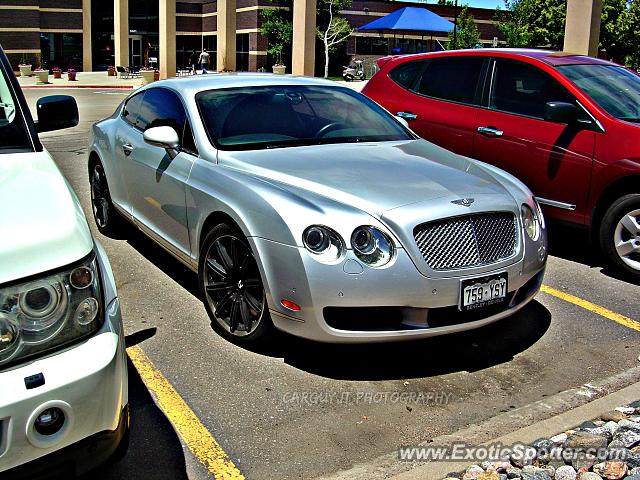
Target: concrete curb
{"type": "Point", "coordinates": [539, 419]}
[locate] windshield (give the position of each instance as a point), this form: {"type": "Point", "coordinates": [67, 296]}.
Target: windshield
{"type": "Point", "coordinates": [13, 133]}
{"type": "Point", "coordinates": [250, 118]}
{"type": "Point", "coordinates": [615, 89]}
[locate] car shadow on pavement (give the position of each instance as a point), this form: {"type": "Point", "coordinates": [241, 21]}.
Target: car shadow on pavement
{"type": "Point", "coordinates": [155, 451]}
{"type": "Point", "coordinates": [178, 272]}
{"type": "Point", "coordinates": [465, 351]}
{"type": "Point", "coordinates": [573, 243]}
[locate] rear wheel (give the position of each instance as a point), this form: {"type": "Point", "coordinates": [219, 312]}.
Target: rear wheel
{"type": "Point", "coordinates": [107, 219]}
{"type": "Point", "coordinates": [231, 286]}
{"type": "Point", "coordinates": [620, 235]}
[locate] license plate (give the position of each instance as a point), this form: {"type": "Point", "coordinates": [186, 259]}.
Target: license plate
{"type": "Point", "coordinates": [483, 291]}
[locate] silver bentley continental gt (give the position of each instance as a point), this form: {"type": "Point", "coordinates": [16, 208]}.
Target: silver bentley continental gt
{"type": "Point", "coordinates": [303, 205]}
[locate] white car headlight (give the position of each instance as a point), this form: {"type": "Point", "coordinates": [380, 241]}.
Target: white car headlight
{"type": "Point", "coordinates": [530, 222]}
{"type": "Point", "coordinates": [49, 312]}
{"type": "Point", "coordinates": [323, 242]}
{"type": "Point", "coordinates": [372, 246]}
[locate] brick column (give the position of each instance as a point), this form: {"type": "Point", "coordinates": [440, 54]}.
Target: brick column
{"type": "Point", "coordinates": [167, 38]}
{"type": "Point", "coordinates": [582, 28]}
{"type": "Point", "coordinates": [226, 28]}
{"type": "Point", "coordinates": [87, 57]}
{"type": "Point", "coordinates": [121, 32]}
{"type": "Point", "coordinates": [304, 37]}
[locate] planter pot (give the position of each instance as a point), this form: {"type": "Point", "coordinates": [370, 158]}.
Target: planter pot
{"type": "Point", "coordinates": [279, 69]}
{"type": "Point", "coordinates": [147, 76]}
{"type": "Point", "coordinates": [111, 72]}
{"type": "Point", "coordinates": [42, 76]}
{"type": "Point", "coordinates": [25, 70]}
{"type": "Point", "coordinates": [156, 76]}
{"type": "Point", "coordinates": [57, 74]}
{"type": "Point", "coordinates": [71, 76]}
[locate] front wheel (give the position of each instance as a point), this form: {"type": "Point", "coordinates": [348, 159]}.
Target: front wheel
{"type": "Point", "coordinates": [107, 219]}
{"type": "Point", "coordinates": [231, 286]}
{"type": "Point", "coordinates": [620, 235]}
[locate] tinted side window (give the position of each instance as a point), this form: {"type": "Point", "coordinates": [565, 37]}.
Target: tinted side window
{"type": "Point", "coordinates": [453, 78]}
{"type": "Point", "coordinates": [161, 108]}
{"type": "Point", "coordinates": [405, 74]}
{"type": "Point", "coordinates": [132, 109]}
{"type": "Point", "coordinates": [523, 89]}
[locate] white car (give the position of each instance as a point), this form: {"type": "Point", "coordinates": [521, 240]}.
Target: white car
{"type": "Point", "coordinates": [63, 371]}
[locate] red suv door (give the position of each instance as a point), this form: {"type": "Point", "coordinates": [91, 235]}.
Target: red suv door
{"type": "Point", "coordinates": [440, 99]}
{"type": "Point", "coordinates": [554, 160]}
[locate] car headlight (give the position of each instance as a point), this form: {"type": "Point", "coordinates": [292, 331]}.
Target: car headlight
{"type": "Point", "coordinates": [323, 242]}
{"type": "Point", "coordinates": [43, 314]}
{"type": "Point", "coordinates": [530, 222]}
{"type": "Point", "coordinates": [372, 246]}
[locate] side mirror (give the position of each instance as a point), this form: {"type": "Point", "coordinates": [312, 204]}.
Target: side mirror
{"type": "Point", "coordinates": [56, 112]}
{"type": "Point", "coordinates": [560, 112]}
{"type": "Point", "coordinates": [163, 137]}
{"type": "Point", "coordinates": [402, 121]}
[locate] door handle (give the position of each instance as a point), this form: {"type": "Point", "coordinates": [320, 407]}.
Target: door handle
{"type": "Point", "coordinates": [407, 115]}
{"type": "Point", "coordinates": [127, 148]}
{"type": "Point", "coordinates": [490, 132]}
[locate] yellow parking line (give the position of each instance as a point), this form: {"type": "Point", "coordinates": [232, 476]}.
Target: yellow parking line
{"type": "Point", "coordinates": [201, 443]}
{"type": "Point", "coordinates": [592, 307]}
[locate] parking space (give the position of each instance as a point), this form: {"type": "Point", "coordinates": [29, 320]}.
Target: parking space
{"type": "Point", "coordinates": [301, 409]}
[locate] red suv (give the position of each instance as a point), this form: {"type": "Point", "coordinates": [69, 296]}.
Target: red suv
{"type": "Point", "coordinates": [566, 125]}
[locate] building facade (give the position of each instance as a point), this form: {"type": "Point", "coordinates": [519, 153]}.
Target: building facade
{"type": "Point", "coordinates": [80, 33]}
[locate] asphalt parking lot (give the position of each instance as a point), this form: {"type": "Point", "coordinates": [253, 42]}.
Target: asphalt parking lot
{"type": "Point", "coordinates": [304, 410]}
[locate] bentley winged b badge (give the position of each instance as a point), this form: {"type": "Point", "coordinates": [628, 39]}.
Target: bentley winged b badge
{"type": "Point", "coordinates": [465, 202]}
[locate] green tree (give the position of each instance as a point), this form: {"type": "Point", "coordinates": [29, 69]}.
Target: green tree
{"type": "Point", "coordinates": [467, 35]}
{"type": "Point", "coordinates": [332, 30]}
{"type": "Point", "coordinates": [533, 23]}
{"type": "Point", "coordinates": [277, 27]}
{"type": "Point", "coordinates": [613, 26]}
{"type": "Point", "coordinates": [513, 24]}
{"type": "Point", "coordinates": [632, 34]}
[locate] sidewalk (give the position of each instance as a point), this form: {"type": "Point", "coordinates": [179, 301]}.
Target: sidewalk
{"type": "Point", "coordinates": [83, 80]}
{"type": "Point", "coordinates": [102, 80]}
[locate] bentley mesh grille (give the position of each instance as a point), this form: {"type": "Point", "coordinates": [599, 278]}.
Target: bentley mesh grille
{"type": "Point", "coordinates": [467, 241]}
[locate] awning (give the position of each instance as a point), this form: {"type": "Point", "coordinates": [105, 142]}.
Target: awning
{"type": "Point", "coordinates": [410, 18]}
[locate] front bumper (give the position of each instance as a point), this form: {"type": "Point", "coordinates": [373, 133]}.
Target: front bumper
{"type": "Point", "coordinates": [87, 381]}
{"type": "Point", "coordinates": [320, 289]}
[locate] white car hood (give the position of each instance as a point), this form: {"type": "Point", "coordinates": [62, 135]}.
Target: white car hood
{"type": "Point", "coordinates": [42, 226]}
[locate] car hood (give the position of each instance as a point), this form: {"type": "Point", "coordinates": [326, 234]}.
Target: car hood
{"type": "Point", "coordinates": [42, 226]}
{"type": "Point", "coordinates": [375, 177]}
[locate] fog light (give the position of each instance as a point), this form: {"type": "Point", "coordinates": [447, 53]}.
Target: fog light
{"type": "Point", "coordinates": [87, 311]}
{"type": "Point", "coordinates": [49, 422]}
{"type": "Point", "coordinates": [81, 278]}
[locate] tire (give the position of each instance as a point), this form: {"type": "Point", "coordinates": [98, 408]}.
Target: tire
{"type": "Point", "coordinates": [232, 289]}
{"type": "Point", "coordinates": [107, 218]}
{"type": "Point", "coordinates": [620, 236]}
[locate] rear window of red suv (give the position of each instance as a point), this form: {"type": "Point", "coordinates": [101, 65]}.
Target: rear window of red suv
{"type": "Point", "coordinates": [454, 79]}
